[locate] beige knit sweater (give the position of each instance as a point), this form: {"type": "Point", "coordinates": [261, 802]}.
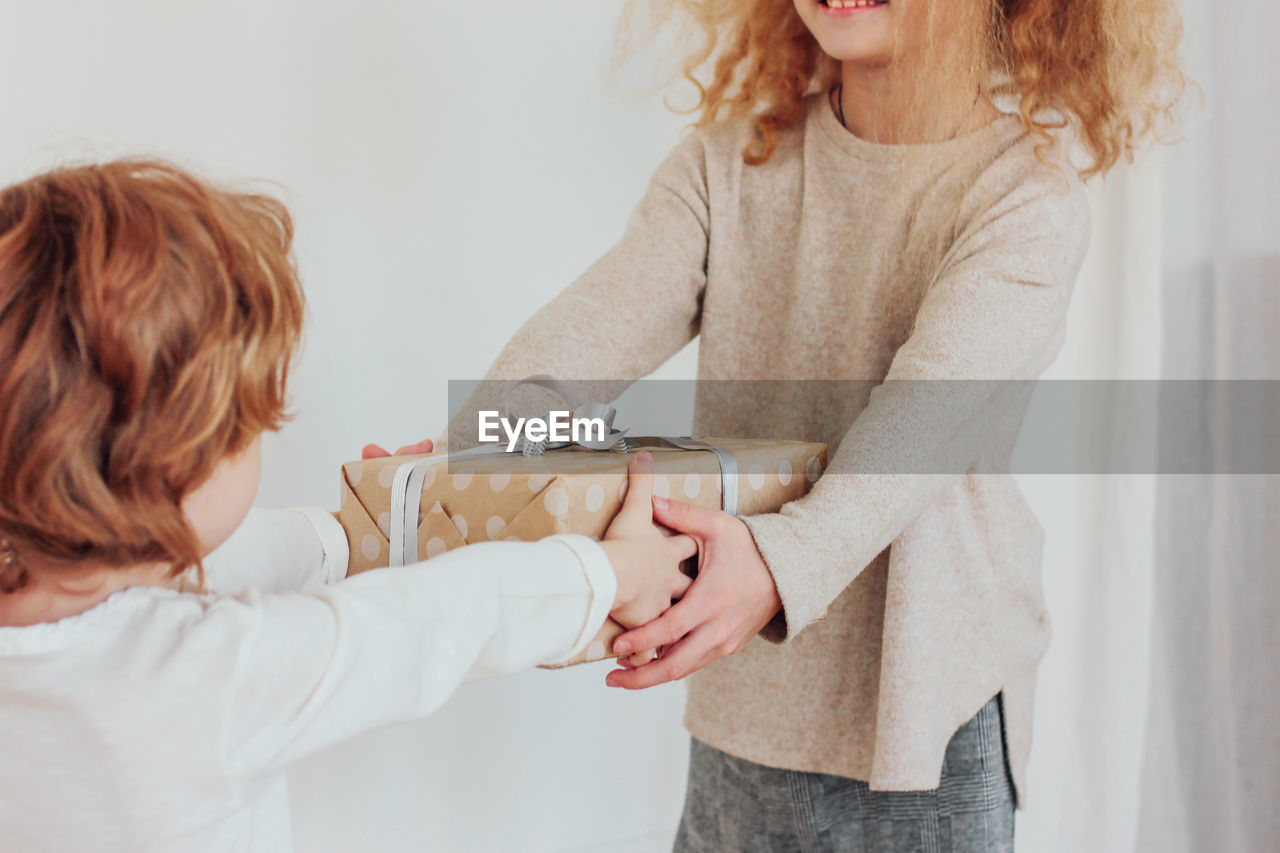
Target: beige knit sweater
{"type": "Point", "coordinates": [843, 259]}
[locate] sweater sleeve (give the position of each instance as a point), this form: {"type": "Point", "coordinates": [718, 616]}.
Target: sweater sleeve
{"type": "Point", "coordinates": [313, 669]}
{"type": "Point", "coordinates": [633, 308]}
{"type": "Point", "coordinates": [994, 315]}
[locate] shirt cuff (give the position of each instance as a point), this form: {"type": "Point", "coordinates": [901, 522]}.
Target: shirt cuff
{"type": "Point", "coordinates": [793, 575]}
{"type": "Point", "coordinates": [333, 541]}
{"type": "Point", "coordinates": [601, 580]}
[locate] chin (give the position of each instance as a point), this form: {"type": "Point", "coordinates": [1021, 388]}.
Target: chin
{"type": "Point", "coordinates": [861, 34]}
{"type": "Point", "coordinates": [870, 56]}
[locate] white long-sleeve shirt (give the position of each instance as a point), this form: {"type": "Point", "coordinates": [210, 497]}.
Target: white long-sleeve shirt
{"type": "Point", "coordinates": [161, 720]}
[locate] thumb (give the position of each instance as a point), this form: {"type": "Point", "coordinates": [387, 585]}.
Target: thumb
{"type": "Point", "coordinates": [681, 517]}
{"type": "Point", "coordinates": [639, 488]}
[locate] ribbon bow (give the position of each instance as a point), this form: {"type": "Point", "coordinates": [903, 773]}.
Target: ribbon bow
{"type": "Point", "coordinates": [613, 439]}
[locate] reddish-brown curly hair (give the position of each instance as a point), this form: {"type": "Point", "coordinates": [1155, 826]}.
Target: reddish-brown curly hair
{"type": "Point", "coordinates": [147, 323]}
{"type": "Point", "coordinates": [1107, 68]}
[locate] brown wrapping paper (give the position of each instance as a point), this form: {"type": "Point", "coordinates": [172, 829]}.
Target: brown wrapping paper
{"type": "Point", "coordinates": [510, 497]}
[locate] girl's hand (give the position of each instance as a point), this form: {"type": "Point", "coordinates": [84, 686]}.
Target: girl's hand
{"type": "Point", "coordinates": [374, 451]}
{"type": "Point", "coordinates": [733, 597]}
{"type": "Point", "coordinates": [645, 559]}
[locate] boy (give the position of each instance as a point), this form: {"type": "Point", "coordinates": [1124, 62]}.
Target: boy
{"type": "Point", "coordinates": [147, 322]}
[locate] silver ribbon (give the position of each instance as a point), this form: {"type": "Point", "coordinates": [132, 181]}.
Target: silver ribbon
{"type": "Point", "coordinates": [406, 487]}
{"type": "Point", "coordinates": [603, 412]}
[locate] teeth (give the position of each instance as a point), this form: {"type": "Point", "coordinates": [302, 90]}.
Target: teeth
{"type": "Point", "coordinates": [852, 4]}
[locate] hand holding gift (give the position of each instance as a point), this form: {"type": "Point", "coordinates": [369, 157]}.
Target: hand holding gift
{"type": "Point", "coordinates": [645, 559]}
{"type": "Point", "coordinates": [404, 508]}
{"type": "Point", "coordinates": [732, 599]}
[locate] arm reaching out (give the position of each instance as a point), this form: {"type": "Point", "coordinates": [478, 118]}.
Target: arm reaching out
{"type": "Point", "coordinates": [310, 669]}
{"type": "Point", "coordinates": [994, 316]}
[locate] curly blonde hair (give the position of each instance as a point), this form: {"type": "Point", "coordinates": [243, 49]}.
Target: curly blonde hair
{"type": "Point", "coordinates": [1108, 69]}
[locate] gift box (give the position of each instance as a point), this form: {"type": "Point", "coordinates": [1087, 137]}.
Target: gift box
{"type": "Point", "coordinates": [399, 510]}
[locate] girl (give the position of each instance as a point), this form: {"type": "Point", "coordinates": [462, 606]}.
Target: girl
{"type": "Point", "coordinates": [147, 324]}
{"type": "Point", "coordinates": [880, 191]}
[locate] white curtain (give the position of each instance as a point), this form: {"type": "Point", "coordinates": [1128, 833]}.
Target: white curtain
{"type": "Point", "coordinates": [1212, 774]}
{"type": "Point", "coordinates": [1086, 759]}
{"type": "Point", "coordinates": [1158, 721]}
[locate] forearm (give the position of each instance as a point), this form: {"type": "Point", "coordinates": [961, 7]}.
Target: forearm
{"type": "Point", "coordinates": [900, 456]}
{"type": "Point", "coordinates": [954, 394]}
{"type": "Point", "coordinates": [394, 644]}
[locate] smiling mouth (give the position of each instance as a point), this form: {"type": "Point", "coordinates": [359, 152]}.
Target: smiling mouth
{"type": "Point", "coordinates": [840, 5]}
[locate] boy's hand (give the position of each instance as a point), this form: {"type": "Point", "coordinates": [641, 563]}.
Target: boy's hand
{"type": "Point", "coordinates": [645, 559]}
{"type": "Point", "coordinates": [374, 451]}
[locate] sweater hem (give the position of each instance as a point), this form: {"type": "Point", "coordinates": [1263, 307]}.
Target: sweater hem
{"type": "Point", "coordinates": [746, 745]}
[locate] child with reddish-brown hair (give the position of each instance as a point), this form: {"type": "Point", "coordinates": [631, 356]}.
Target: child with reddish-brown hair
{"type": "Point", "coordinates": [149, 699]}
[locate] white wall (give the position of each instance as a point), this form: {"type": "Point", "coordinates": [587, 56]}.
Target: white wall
{"type": "Point", "coordinates": [451, 166]}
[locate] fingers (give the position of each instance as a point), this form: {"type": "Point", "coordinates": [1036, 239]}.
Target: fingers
{"type": "Point", "coordinates": [679, 585]}
{"type": "Point", "coordinates": [375, 451]}
{"type": "Point", "coordinates": [682, 547]}
{"type": "Point", "coordinates": [687, 518]}
{"type": "Point", "coordinates": [666, 630]}
{"type": "Point", "coordinates": [640, 658]}
{"type": "Point", "coordinates": [688, 656]}
{"type": "Point", "coordinates": [424, 446]}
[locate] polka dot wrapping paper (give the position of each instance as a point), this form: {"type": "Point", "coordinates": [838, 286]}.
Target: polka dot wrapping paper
{"type": "Point", "coordinates": [511, 497]}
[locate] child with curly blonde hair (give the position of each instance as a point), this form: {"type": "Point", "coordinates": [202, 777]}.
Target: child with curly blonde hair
{"type": "Point", "coordinates": [150, 698]}
{"type": "Point", "coordinates": [884, 193]}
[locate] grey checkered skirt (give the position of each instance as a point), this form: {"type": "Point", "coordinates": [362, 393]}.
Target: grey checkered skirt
{"type": "Point", "coordinates": [735, 805]}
